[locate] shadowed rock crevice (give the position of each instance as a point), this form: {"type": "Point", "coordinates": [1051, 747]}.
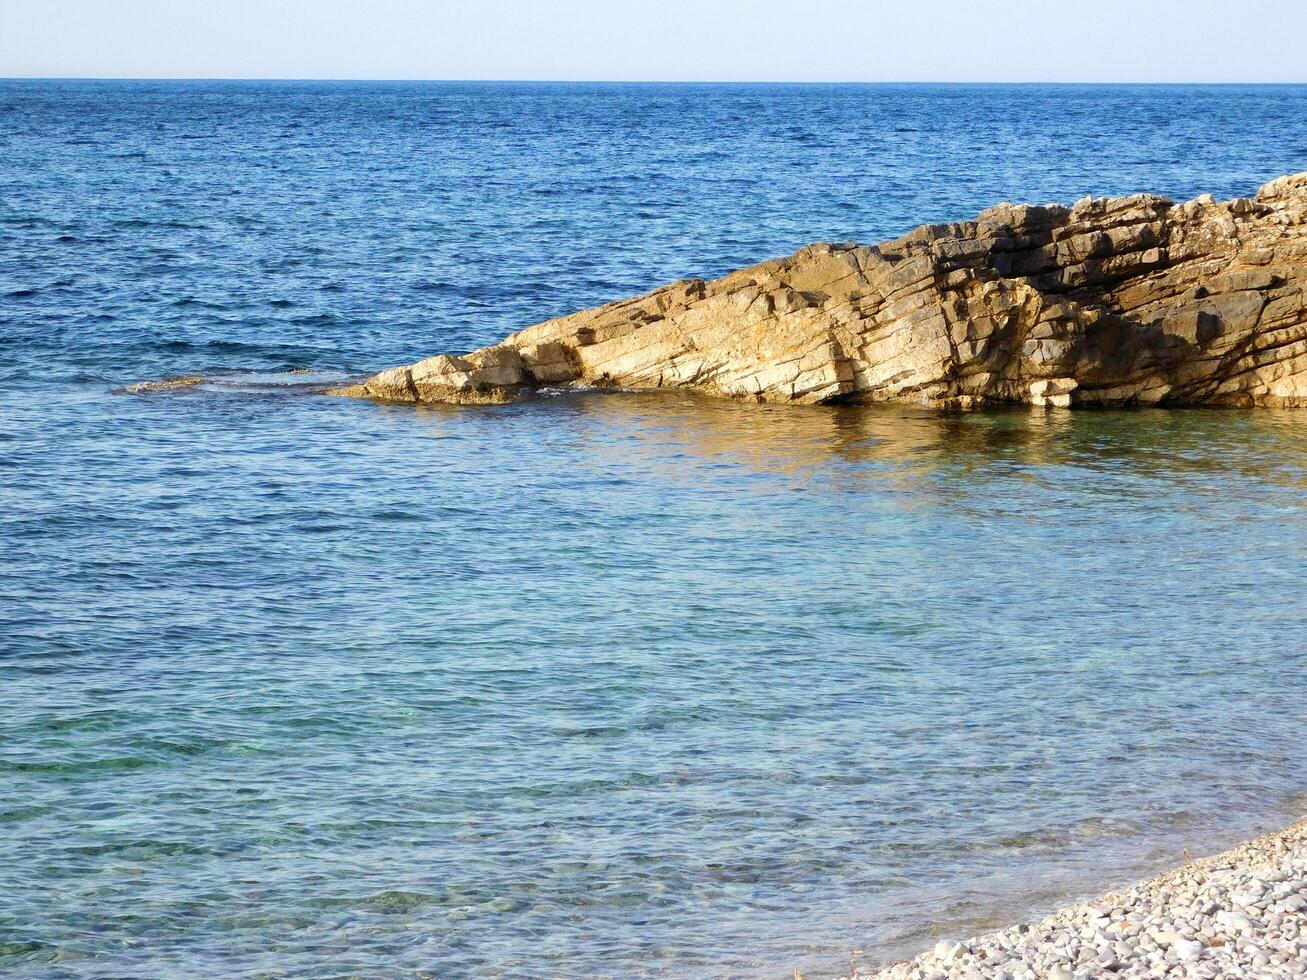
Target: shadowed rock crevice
{"type": "Point", "coordinates": [1115, 301]}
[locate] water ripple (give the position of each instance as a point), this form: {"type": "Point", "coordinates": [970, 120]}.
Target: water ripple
{"type": "Point", "coordinates": [598, 685]}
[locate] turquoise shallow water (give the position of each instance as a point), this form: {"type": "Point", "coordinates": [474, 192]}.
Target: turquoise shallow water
{"type": "Point", "coordinates": [599, 685]}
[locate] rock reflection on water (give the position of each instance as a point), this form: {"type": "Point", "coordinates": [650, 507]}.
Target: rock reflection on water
{"type": "Point", "coordinates": [902, 448]}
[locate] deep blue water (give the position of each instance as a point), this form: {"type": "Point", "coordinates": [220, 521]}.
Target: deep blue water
{"type": "Point", "coordinates": [599, 685]}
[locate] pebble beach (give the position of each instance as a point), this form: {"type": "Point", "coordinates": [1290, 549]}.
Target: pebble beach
{"type": "Point", "coordinates": [1239, 914]}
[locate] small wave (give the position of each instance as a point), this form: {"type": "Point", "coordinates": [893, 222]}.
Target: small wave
{"type": "Point", "coordinates": [318, 320]}
{"type": "Point", "coordinates": [27, 221]}
{"type": "Point", "coordinates": [398, 516]}
{"type": "Point", "coordinates": [117, 764]}
{"type": "Point", "coordinates": [393, 900]}
{"type": "Point", "coordinates": [190, 302]}
{"type": "Point", "coordinates": [142, 848]}
{"type": "Point", "coordinates": [87, 378]}
{"type": "Point", "coordinates": [132, 224]}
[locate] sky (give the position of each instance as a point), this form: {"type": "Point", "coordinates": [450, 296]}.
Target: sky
{"type": "Point", "coordinates": [660, 40]}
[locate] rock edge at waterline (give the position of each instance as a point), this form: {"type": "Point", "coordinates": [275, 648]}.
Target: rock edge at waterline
{"type": "Point", "coordinates": [1240, 914]}
{"type": "Point", "coordinates": [1114, 301]}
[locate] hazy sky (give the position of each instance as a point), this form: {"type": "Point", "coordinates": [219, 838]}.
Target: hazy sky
{"type": "Point", "coordinates": [761, 40]}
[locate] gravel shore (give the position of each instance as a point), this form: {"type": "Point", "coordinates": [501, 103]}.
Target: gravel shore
{"type": "Point", "coordinates": [1241, 914]}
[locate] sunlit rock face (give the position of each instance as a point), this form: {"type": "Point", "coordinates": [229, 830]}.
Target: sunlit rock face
{"type": "Point", "coordinates": [1116, 301]}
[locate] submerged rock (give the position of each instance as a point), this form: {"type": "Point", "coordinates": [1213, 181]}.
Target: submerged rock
{"type": "Point", "coordinates": [172, 383]}
{"type": "Point", "coordinates": [1115, 301]}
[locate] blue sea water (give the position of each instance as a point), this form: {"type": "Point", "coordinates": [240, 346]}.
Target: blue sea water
{"type": "Point", "coordinates": [595, 685]}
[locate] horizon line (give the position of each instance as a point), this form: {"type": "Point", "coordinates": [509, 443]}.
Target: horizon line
{"type": "Point", "coordinates": [617, 81]}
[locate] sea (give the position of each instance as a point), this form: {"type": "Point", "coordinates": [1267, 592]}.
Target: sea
{"type": "Point", "coordinates": [596, 684]}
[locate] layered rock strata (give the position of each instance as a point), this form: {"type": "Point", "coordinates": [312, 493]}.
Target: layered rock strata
{"type": "Point", "coordinates": [1115, 301]}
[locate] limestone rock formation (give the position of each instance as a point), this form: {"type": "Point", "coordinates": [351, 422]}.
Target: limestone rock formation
{"type": "Point", "coordinates": [1115, 301]}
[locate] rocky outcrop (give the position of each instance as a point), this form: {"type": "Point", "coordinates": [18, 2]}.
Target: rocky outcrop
{"type": "Point", "coordinates": [1116, 301]}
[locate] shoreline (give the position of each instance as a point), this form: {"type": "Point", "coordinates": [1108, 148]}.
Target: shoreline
{"type": "Point", "coordinates": [1239, 913]}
